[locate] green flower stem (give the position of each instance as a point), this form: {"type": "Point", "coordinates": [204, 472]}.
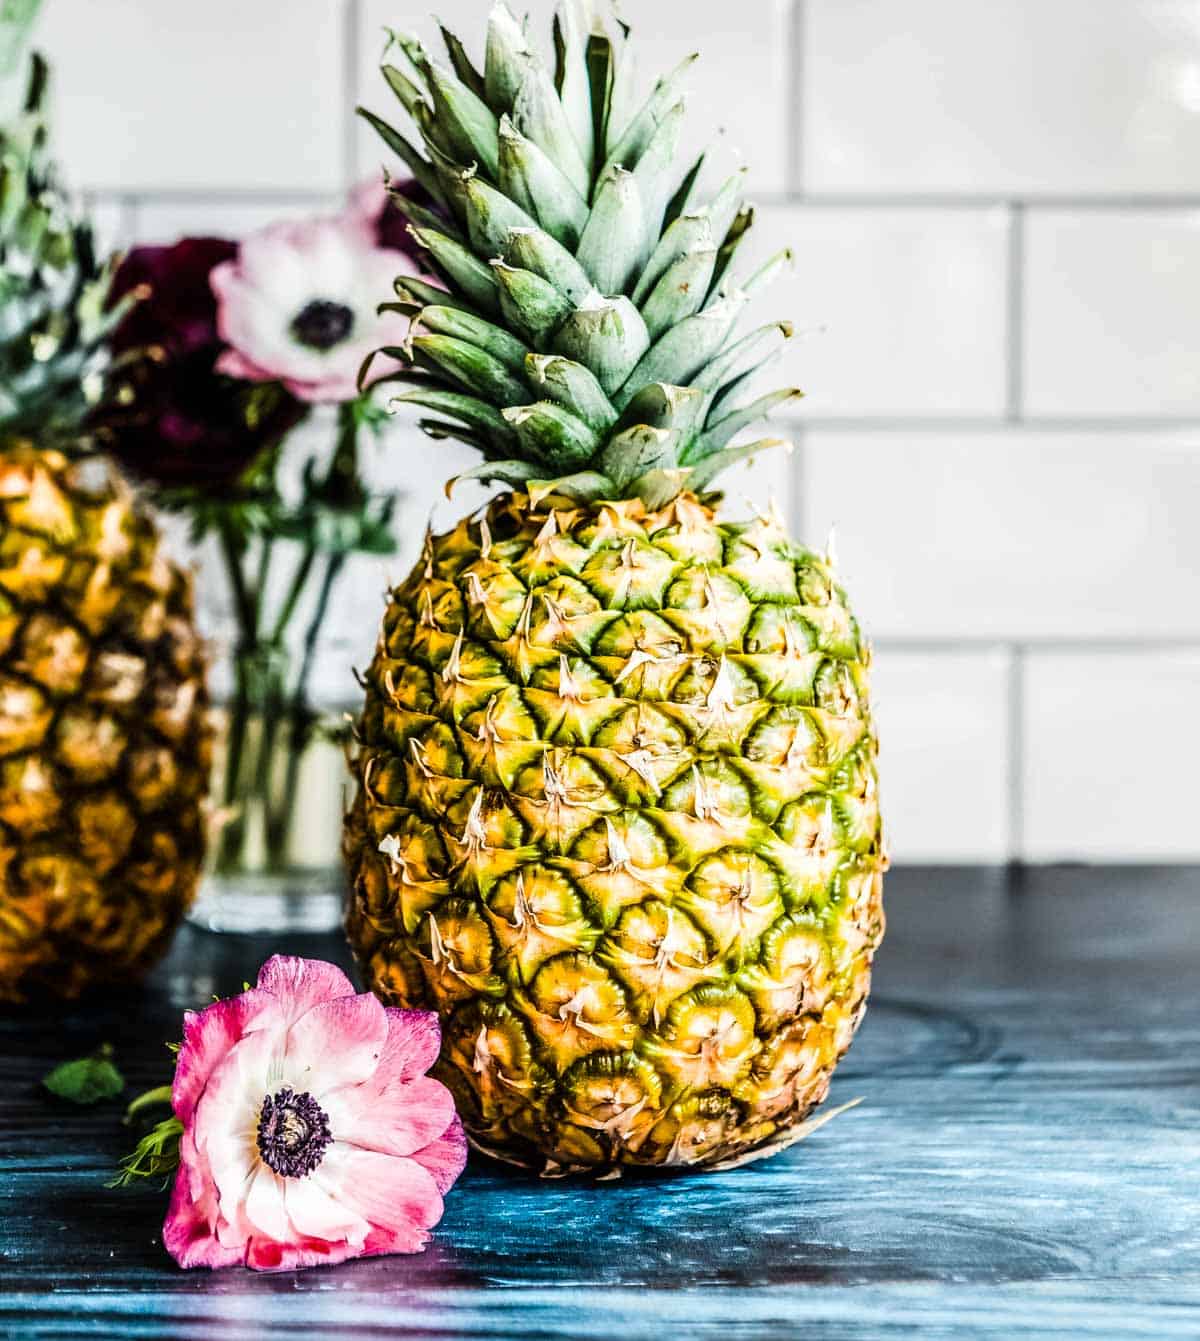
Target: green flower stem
{"type": "Point", "coordinates": [301, 718]}
{"type": "Point", "coordinates": [267, 711]}
{"type": "Point", "coordinates": [233, 549]}
{"type": "Point", "coordinates": [295, 591]}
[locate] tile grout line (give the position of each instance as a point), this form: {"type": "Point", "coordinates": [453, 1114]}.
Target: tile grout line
{"type": "Point", "coordinates": [350, 63]}
{"type": "Point", "coordinates": [797, 100]}
{"type": "Point", "coordinates": [1015, 790]}
{"type": "Point", "coordinates": [983, 200]}
{"type": "Point", "coordinates": [798, 489]}
{"type": "Point", "coordinates": [1014, 344]}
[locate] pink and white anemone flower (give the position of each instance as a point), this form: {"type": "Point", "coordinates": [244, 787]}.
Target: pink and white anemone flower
{"type": "Point", "coordinates": [298, 305]}
{"type": "Point", "coordinates": [311, 1133]}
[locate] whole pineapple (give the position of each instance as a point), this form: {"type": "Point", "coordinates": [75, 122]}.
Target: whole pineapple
{"type": "Point", "coordinates": [104, 740]}
{"type": "Point", "coordinates": [617, 816]}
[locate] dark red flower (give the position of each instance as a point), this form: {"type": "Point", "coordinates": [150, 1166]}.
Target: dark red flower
{"type": "Point", "coordinates": [169, 418]}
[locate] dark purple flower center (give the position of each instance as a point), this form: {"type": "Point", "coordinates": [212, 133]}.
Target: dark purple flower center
{"type": "Point", "coordinates": [293, 1133]}
{"type": "Point", "coordinates": [323, 324]}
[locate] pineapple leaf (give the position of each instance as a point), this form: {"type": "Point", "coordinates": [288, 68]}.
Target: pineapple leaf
{"type": "Point", "coordinates": [539, 187]}
{"type": "Point", "coordinates": [507, 56]}
{"type": "Point", "coordinates": [613, 244]}
{"type": "Point", "coordinates": [418, 166]}
{"type": "Point", "coordinates": [637, 451]}
{"type": "Point", "coordinates": [572, 76]}
{"type": "Point", "coordinates": [461, 62]}
{"type": "Point", "coordinates": [491, 216]}
{"type": "Point", "coordinates": [680, 292]}
{"type": "Point", "coordinates": [493, 340]}
{"type": "Point", "coordinates": [460, 266]}
{"type": "Point", "coordinates": [553, 435]}
{"type": "Point", "coordinates": [538, 114]}
{"type": "Point", "coordinates": [533, 249]}
{"type": "Point", "coordinates": [708, 469]}
{"type": "Point", "coordinates": [473, 412]}
{"type": "Point", "coordinates": [680, 355]}
{"type": "Point", "coordinates": [609, 337]}
{"type": "Point", "coordinates": [719, 434]}
{"type": "Point", "coordinates": [573, 386]}
{"type": "Point", "coordinates": [477, 371]}
{"type": "Point", "coordinates": [530, 303]}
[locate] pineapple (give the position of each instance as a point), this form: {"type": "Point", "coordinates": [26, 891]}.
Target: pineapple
{"type": "Point", "coordinates": [104, 741]}
{"type": "Point", "coordinates": [616, 818]}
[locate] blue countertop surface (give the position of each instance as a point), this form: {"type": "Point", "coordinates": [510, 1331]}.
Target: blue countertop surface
{"type": "Point", "coordinates": [1025, 1161]}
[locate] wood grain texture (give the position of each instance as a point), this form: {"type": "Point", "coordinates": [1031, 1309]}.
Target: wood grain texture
{"type": "Point", "coordinates": [1025, 1162]}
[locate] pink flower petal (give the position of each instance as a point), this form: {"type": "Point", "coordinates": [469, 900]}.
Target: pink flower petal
{"type": "Point", "coordinates": [264, 1205]}
{"type": "Point", "coordinates": [207, 1037]}
{"type": "Point", "coordinates": [232, 364]}
{"type": "Point", "coordinates": [399, 1118]}
{"type": "Point", "coordinates": [398, 1197]}
{"type": "Point", "coordinates": [413, 1043]}
{"type": "Point", "coordinates": [187, 1231]}
{"type": "Point", "coordinates": [269, 1255]}
{"type": "Point", "coordinates": [335, 1043]}
{"type": "Point", "coordinates": [445, 1158]}
{"type": "Point", "coordinates": [300, 984]}
{"type": "Point", "coordinates": [318, 1214]}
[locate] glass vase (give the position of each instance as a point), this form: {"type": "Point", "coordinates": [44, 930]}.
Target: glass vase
{"type": "Point", "coordinates": [278, 799]}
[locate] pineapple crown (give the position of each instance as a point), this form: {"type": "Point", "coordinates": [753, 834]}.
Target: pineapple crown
{"type": "Point", "coordinates": [53, 291]}
{"type": "Point", "coordinates": [586, 338]}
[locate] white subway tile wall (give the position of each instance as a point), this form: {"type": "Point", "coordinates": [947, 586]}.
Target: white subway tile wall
{"type": "Point", "coordinates": [995, 214]}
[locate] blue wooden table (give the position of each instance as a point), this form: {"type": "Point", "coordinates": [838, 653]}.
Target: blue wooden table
{"type": "Point", "coordinates": [1025, 1163]}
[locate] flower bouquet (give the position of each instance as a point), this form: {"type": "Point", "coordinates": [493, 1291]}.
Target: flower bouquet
{"type": "Point", "coordinates": [227, 367]}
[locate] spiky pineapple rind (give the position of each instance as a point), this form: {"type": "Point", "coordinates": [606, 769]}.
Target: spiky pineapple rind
{"type": "Point", "coordinates": [105, 742]}
{"type": "Point", "coordinates": [617, 823]}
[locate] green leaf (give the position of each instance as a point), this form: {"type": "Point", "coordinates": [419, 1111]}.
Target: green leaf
{"type": "Point", "coordinates": [506, 58]}
{"type": "Point", "coordinates": [661, 405]}
{"type": "Point", "coordinates": [416, 163]}
{"type": "Point", "coordinates": [461, 62]}
{"type": "Point", "coordinates": [689, 233]}
{"type": "Point", "coordinates": [571, 79]}
{"type": "Point", "coordinates": [637, 451]}
{"type": "Point", "coordinates": [658, 108]}
{"type": "Point", "coordinates": [539, 115]}
{"type": "Point", "coordinates": [654, 167]}
{"type": "Point", "coordinates": [156, 1155]}
{"type": "Point", "coordinates": [613, 244]}
{"type": "Point", "coordinates": [88, 1080]}
{"type": "Point", "coordinates": [461, 116]}
{"type": "Point", "coordinates": [553, 435]}
{"type": "Point", "coordinates": [606, 336]}
{"type": "Point", "coordinates": [513, 473]}
{"type": "Point", "coordinates": [421, 294]}
{"type": "Point", "coordinates": [681, 292]}
{"type": "Point", "coordinates": [679, 355]}
{"type": "Point", "coordinates": [465, 271]}
{"type": "Point", "coordinates": [745, 355]}
{"type": "Point", "coordinates": [529, 302]}
{"type": "Point", "coordinates": [657, 487]}
{"type": "Point", "coordinates": [491, 216]}
{"type": "Point", "coordinates": [722, 431]}
{"type": "Point", "coordinates": [583, 487]}
{"type": "Point", "coordinates": [539, 187]}
{"type": "Point", "coordinates": [573, 386]}
{"type": "Point", "coordinates": [711, 466]}
{"type": "Point", "coordinates": [499, 343]}
{"type": "Point", "coordinates": [534, 249]}
{"type": "Point", "coordinates": [471, 367]}
{"type": "Point", "coordinates": [473, 412]}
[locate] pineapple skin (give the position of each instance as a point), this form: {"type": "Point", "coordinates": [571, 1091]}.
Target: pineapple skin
{"type": "Point", "coordinates": [105, 739]}
{"type": "Point", "coordinates": [617, 822]}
